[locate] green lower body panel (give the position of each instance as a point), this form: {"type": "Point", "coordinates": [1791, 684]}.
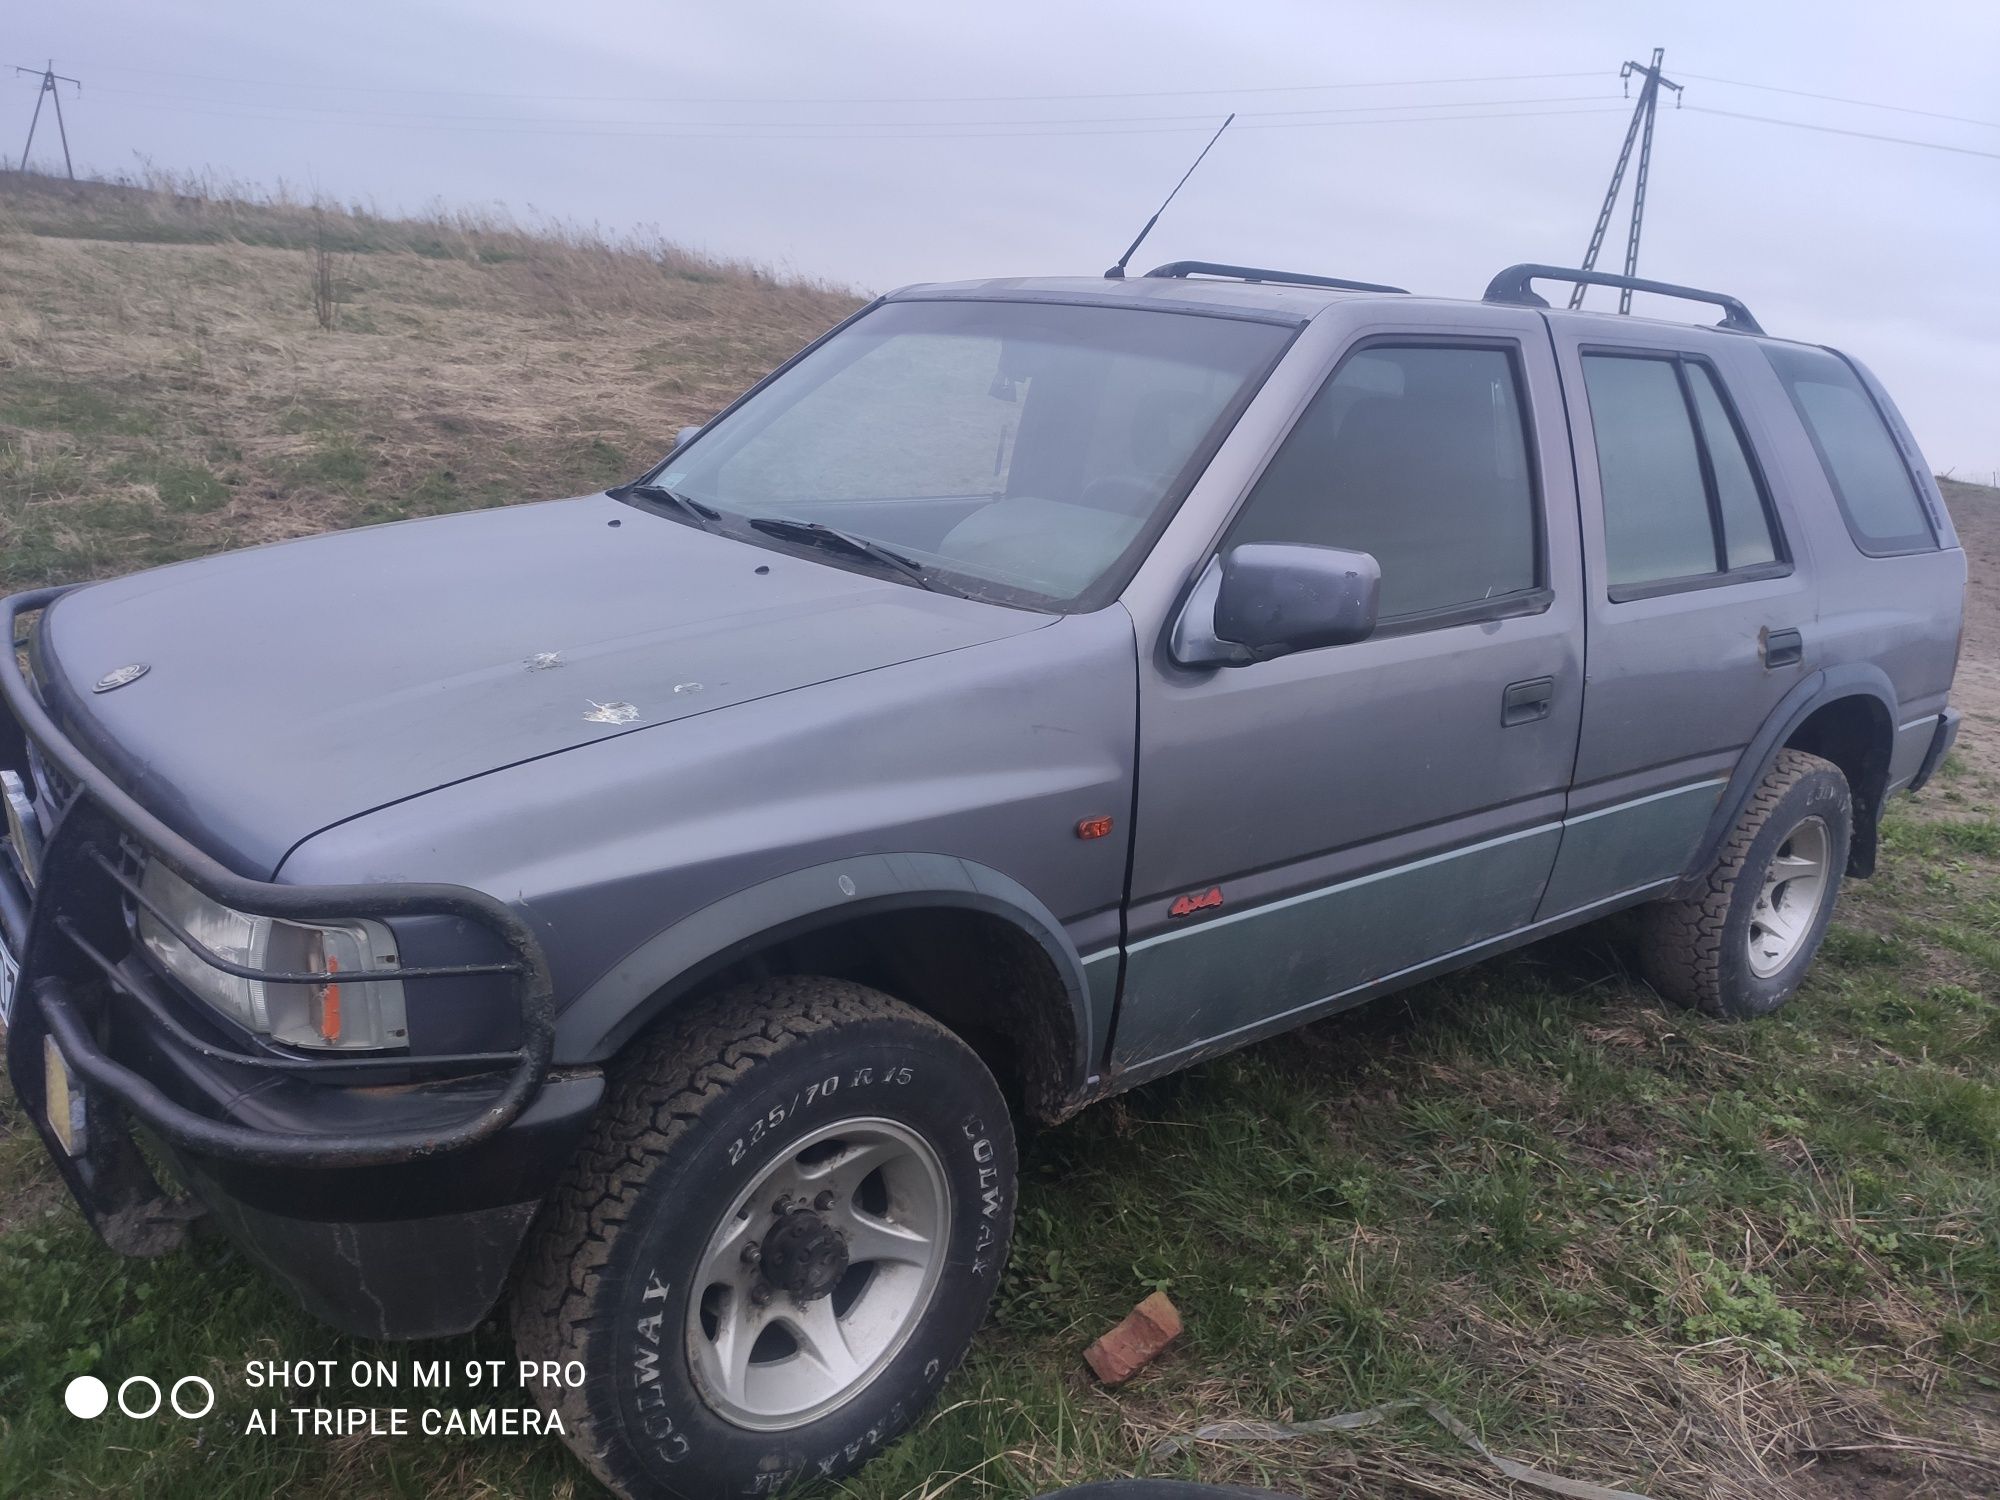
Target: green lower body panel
{"type": "Point", "coordinates": [1231, 972]}
{"type": "Point", "coordinates": [1630, 845]}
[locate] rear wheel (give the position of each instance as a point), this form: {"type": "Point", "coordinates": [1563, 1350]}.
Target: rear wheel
{"type": "Point", "coordinates": [1744, 942]}
{"type": "Point", "coordinates": [782, 1236]}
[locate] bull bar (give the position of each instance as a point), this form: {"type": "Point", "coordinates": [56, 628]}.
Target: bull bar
{"type": "Point", "coordinates": [58, 939]}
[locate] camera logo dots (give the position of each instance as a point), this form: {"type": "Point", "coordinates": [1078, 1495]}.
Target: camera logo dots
{"type": "Point", "coordinates": [139, 1397]}
{"type": "Point", "coordinates": [86, 1397]}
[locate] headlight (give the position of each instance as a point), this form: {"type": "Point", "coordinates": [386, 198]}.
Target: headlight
{"type": "Point", "coordinates": [337, 1014]}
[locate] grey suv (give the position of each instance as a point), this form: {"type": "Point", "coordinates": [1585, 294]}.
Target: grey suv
{"type": "Point", "coordinates": [657, 909]}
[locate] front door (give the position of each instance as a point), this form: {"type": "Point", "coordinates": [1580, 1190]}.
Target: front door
{"type": "Point", "coordinates": [1313, 825]}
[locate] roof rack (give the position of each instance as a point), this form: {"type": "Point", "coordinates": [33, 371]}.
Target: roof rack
{"type": "Point", "coordinates": [1179, 268]}
{"type": "Point", "coordinates": [1511, 286]}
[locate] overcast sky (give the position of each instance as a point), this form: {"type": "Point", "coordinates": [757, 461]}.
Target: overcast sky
{"type": "Point", "coordinates": [876, 143]}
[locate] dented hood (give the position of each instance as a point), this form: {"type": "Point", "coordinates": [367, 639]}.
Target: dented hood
{"type": "Point", "coordinates": [291, 687]}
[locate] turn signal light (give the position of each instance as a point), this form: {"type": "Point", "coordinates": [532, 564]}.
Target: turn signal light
{"type": "Point", "coordinates": [324, 1006]}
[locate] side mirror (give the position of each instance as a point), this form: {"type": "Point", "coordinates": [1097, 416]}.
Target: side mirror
{"type": "Point", "coordinates": [685, 436]}
{"type": "Point", "coordinates": [1266, 599]}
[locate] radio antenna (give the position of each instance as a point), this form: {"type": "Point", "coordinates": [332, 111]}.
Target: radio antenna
{"type": "Point", "coordinates": [1117, 272]}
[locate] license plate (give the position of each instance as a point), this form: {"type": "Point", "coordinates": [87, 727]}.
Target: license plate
{"type": "Point", "coordinates": [62, 1103]}
{"type": "Point", "coordinates": [10, 980]}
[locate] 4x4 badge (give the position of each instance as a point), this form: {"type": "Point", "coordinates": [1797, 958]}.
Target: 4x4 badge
{"type": "Point", "coordinates": [1188, 905]}
{"type": "Point", "coordinates": [117, 677]}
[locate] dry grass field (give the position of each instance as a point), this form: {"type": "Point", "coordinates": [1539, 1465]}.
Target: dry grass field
{"type": "Point", "coordinates": [1624, 1244]}
{"type": "Point", "coordinates": [165, 387]}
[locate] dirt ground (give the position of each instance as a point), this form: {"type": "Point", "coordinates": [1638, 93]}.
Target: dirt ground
{"type": "Point", "coordinates": [1975, 510]}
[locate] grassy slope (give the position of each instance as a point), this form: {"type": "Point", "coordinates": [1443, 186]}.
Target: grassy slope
{"type": "Point", "coordinates": [165, 390]}
{"type": "Point", "coordinates": [1624, 1243]}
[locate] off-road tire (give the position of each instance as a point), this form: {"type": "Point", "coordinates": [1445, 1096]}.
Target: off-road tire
{"type": "Point", "coordinates": [1696, 951]}
{"type": "Point", "coordinates": [693, 1111]}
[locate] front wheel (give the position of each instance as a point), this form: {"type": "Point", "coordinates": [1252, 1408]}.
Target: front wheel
{"type": "Point", "coordinates": [783, 1234]}
{"type": "Point", "coordinates": [1743, 943]}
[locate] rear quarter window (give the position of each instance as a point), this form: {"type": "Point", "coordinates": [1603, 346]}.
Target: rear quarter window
{"type": "Point", "coordinates": [1684, 506]}
{"type": "Point", "coordinates": [1870, 479]}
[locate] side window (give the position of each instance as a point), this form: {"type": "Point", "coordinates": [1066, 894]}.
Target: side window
{"type": "Point", "coordinates": [1746, 523]}
{"type": "Point", "coordinates": [1419, 455]}
{"type": "Point", "coordinates": [1683, 501]}
{"type": "Point", "coordinates": [1877, 494]}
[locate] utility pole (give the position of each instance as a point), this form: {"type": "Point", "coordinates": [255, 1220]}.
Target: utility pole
{"type": "Point", "coordinates": [1641, 130]}
{"type": "Point", "coordinates": [50, 78]}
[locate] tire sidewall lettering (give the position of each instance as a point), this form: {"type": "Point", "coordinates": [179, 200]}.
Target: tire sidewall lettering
{"type": "Point", "coordinates": [992, 1205]}
{"type": "Point", "coordinates": [787, 1109]}
{"type": "Point", "coordinates": [653, 1345]}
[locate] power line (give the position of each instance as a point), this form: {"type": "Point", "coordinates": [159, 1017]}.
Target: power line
{"type": "Point", "coordinates": [1026, 129]}
{"type": "Point", "coordinates": [697, 127]}
{"type": "Point", "coordinates": [668, 96]}
{"type": "Point", "coordinates": [1865, 135]}
{"type": "Point", "coordinates": [1772, 88]}
{"type": "Point", "coordinates": [1027, 132]}
{"type": "Point", "coordinates": [776, 130]}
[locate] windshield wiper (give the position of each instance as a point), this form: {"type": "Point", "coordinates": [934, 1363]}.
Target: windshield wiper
{"type": "Point", "coordinates": [819, 534]}
{"type": "Point", "coordinates": [703, 514]}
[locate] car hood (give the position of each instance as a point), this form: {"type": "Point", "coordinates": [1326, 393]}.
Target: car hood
{"type": "Point", "coordinates": [290, 687]}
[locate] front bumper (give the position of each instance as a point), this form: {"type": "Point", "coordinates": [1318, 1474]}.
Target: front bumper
{"type": "Point", "coordinates": [389, 1191]}
{"type": "Point", "coordinates": [417, 1248]}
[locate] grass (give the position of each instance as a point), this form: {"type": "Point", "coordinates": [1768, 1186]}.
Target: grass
{"type": "Point", "coordinates": [165, 390]}
{"type": "Point", "coordinates": [1623, 1243]}
{"type": "Point", "coordinates": [1629, 1244]}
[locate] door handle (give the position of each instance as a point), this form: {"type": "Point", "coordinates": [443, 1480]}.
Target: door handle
{"type": "Point", "coordinates": [1525, 702]}
{"type": "Point", "coordinates": [1783, 648]}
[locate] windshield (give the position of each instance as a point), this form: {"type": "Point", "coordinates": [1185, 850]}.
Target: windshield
{"type": "Point", "coordinates": [1016, 451]}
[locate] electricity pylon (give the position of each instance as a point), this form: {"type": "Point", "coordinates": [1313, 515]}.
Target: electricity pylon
{"type": "Point", "coordinates": [1641, 130]}
{"type": "Point", "coordinates": [50, 78]}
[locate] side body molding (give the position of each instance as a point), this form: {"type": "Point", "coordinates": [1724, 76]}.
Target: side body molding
{"type": "Point", "coordinates": [1849, 680]}
{"type": "Point", "coordinates": [642, 984]}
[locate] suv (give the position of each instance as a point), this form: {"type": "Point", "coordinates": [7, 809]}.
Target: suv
{"type": "Point", "coordinates": [657, 909]}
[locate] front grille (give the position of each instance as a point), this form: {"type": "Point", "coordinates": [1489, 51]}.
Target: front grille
{"type": "Point", "coordinates": [46, 784]}
{"type": "Point", "coordinates": [52, 788]}
{"type": "Point", "coordinates": [24, 827]}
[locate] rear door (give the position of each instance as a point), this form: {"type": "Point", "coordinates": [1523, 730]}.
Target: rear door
{"type": "Point", "coordinates": [1700, 605]}
{"type": "Point", "coordinates": [1313, 825]}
